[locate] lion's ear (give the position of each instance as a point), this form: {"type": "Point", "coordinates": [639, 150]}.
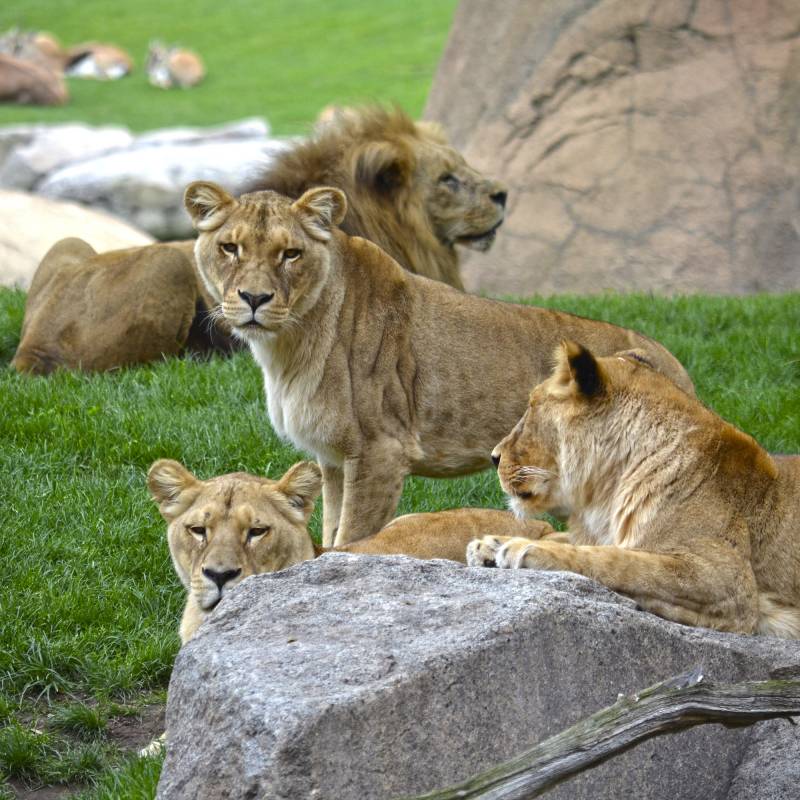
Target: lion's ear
{"type": "Point", "coordinates": [577, 371]}
{"type": "Point", "coordinates": [638, 356]}
{"type": "Point", "coordinates": [383, 166]}
{"type": "Point", "coordinates": [433, 130]}
{"type": "Point", "coordinates": [320, 210]}
{"type": "Point", "coordinates": [168, 482]}
{"type": "Point", "coordinates": [302, 484]}
{"type": "Point", "coordinates": [208, 204]}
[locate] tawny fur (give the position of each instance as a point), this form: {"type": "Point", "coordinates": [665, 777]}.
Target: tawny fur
{"type": "Point", "coordinates": [170, 67]}
{"type": "Point", "coordinates": [666, 502]}
{"type": "Point", "coordinates": [377, 372]}
{"type": "Point", "coordinates": [95, 312]}
{"type": "Point", "coordinates": [238, 525]}
{"type": "Point", "coordinates": [408, 190]}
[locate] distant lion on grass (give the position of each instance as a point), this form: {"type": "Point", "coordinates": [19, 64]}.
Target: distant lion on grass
{"type": "Point", "coordinates": [667, 502]}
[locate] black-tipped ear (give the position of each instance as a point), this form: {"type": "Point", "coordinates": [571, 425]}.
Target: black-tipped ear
{"type": "Point", "coordinates": [320, 210]}
{"type": "Point", "coordinates": [302, 484]}
{"type": "Point", "coordinates": [576, 371]}
{"type": "Point", "coordinates": [383, 166]}
{"type": "Point", "coordinates": [585, 370]}
{"type": "Point", "coordinates": [208, 204]}
{"type": "Point", "coordinates": [167, 480]}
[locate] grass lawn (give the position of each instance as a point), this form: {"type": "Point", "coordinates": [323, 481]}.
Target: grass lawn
{"type": "Point", "coordinates": [283, 59]}
{"type": "Point", "coordinates": [88, 630]}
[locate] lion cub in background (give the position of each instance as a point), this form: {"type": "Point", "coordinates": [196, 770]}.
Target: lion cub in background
{"type": "Point", "coordinates": [226, 528]}
{"type": "Point", "coordinates": [667, 502]}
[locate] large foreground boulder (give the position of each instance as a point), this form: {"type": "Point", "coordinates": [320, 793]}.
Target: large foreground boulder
{"type": "Point", "coordinates": [358, 677]}
{"type": "Point", "coordinates": [30, 226]}
{"type": "Point", "coordinates": [646, 145]}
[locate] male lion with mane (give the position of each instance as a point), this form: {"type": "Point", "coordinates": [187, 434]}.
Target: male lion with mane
{"type": "Point", "coordinates": [408, 190]}
{"type": "Point", "coordinates": [667, 502]}
{"type": "Point", "coordinates": [378, 372]}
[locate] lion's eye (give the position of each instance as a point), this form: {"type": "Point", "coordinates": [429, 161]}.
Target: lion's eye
{"type": "Point", "coordinates": [291, 254]}
{"type": "Point", "coordinates": [256, 533]}
{"type": "Point", "coordinates": [198, 531]}
{"type": "Point", "coordinates": [450, 181]}
{"type": "Point", "coordinates": [229, 247]}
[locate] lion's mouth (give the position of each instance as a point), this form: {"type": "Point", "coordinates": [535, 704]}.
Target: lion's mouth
{"type": "Point", "coordinates": [209, 607]}
{"type": "Point", "coordinates": [480, 241]}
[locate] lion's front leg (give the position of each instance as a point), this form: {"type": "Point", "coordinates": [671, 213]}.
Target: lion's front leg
{"type": "Point", "coordinates": [373, 483]}
{"type": "Point", "coordinates": [332, 494]}
{"type": "Point", "coordinates": [683, 587]}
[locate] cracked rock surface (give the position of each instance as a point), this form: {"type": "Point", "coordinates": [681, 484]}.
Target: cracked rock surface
{"type": "Point", "coordinates": [647, 144]}
{"type": "Point", "coordinates": [362, 678]}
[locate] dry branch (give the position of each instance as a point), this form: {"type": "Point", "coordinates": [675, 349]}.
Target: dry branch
{"type": "Point", "coordinates": [672, 705]}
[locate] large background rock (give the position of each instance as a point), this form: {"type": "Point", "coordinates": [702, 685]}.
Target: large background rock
{"type": "Point", "coordinates": [358, 677]}
{"type": "Point", "coordinates": [30, 226]}
{"type": "Point", "coordinates": [647, 145]}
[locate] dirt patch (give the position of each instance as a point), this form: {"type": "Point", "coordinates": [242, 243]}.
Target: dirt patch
{"type": "Point", "coordinates": [135, 732]}
{"type": "Point", "coordinates": [23, 792]}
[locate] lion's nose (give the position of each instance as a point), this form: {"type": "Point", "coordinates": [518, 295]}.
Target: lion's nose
{"type": "Point", "coordinates": [496, 459]}
{"type": "Point", "coordinates": [499, 198]}
{"type": "Point", "coordinates": [255, 300]}
{"type": "Point", "coordinates": [220, 577]}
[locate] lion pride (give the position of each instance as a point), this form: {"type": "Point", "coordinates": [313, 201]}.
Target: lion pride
{"type": "Point", "coordinates": [409, 191]}
{"type": "Point", "coordinates": [377, 372]}
{"type": "Point", "coordinates": [666, 501]}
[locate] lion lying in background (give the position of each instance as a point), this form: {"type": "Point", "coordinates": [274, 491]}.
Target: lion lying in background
{"type": "Point", "coordinates": [96, 312]}
{"type": "Point", "coordinates": [378, 372]}
{"type": "Point", "coordinates": [667, 502]}
{"type": "Point", "coordinates": [230, 527]}
{"type": "Point", "coordinates": [409, 191]}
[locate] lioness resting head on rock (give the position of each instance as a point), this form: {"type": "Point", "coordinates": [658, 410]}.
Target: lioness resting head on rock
{"type": "Point", "coordinates": [667, 502]}
{"type": "Point", "coordinates": [378, 372]}
{"type": "Point", "coordinates": [230, 527]}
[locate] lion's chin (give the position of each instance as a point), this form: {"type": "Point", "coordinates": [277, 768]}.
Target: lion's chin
{"type": "Point", "coordinates": [482, 241]}
{"type": "Point", "coordinates": [255, 332]}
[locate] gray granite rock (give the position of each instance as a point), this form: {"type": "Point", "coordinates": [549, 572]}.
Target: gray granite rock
{"type": "Point", "coordinates": [144, 184]}
{"type": "Point", "coordinates": [51, 147]}
{"type": "Point", "coordinates": [358, 677]}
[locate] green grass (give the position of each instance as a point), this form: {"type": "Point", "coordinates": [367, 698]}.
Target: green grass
{"type": "Point", "coordinates": [283, 59]}
{"type": "Point", "coordinates": [92, 600]}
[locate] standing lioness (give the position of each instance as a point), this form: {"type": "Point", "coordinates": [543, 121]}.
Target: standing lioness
{"type": "Point", "coordinates": [378, 372]}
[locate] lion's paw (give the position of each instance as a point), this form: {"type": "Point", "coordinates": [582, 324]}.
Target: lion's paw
{"type": "Point", "coordinates": [481, 552]}
{"type": "Point", "coordinates": [514, 552]}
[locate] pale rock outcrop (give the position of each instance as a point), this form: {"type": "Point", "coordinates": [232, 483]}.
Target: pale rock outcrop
{"type": "Point", "coordinates": [30, 226]}
{"type": "Point", "coordinates": [647, 145]}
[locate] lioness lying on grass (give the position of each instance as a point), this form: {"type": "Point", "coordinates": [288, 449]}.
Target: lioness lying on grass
{"type": "Point", "coordinates": [378, 372]}
{"type": "Point", "coordinates": [667, 502]}
{"type": "Point", "coordinates": [224, 529]}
